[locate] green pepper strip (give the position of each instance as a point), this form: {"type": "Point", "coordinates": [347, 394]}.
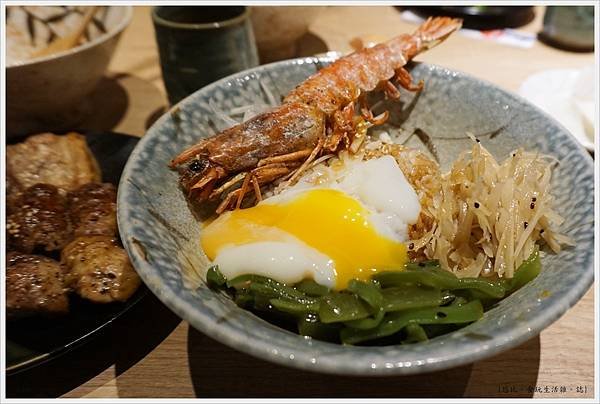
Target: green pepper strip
{"type": "Point", "coordinates": [294, 307]}
{"type": "Point", "coordinates": [412, 297]}
{"type": "Point", "coordinates": [338, 307]}
{"type": "Point", "coordinates": [316, 329]}
{"type": "Point", "coordinates": [371, 294]}
{"type": "Point", "coordinates": [312, 288]}
{"type": "Point", "coordinates": [268, 286]}
{"type": "Point", "coordinates": [438, 280]}
{"type": "Point", "coordinates": [214, 278]}
{"type": "Point", "coordinates": [459, 301]}
{"type": "Point", "coordinates": [367, 323]}
{"type": "Point", "coordinates": [394, 322]}
{"type": "Point", "coordinates": [367, 291]}
{"type": "Point", "coordinates": [260, 301]}
{"type": "Point", "coordinates": [414, 333]}
{"type": "Point", "coordinates": [527, 271]}
{"type": "Point", "coordinates": [243, 299]}
{"type": "Point", "coordinates": [396, 299]}
{"type": "Point", "coordinates": [277, 290]}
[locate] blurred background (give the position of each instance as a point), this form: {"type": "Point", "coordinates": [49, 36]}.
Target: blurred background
{"type": "Point", "coordinates": [543, 53]}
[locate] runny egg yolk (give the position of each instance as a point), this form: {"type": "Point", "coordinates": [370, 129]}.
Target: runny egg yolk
{"type": "Point", "coordinates": [327, 220]}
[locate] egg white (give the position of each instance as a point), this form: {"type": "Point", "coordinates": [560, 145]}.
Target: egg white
{"type": "Point", "coordinates": [288, 261]}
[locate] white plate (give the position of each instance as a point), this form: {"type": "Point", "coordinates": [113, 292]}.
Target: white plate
{"type": "Point", "coordinates": [568, 96]}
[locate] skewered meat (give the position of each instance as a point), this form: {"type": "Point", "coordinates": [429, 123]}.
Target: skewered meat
{"type": "Point", "coordinates": [40, 220]}
{"type": "Point", "coordinates": [93, 210]}
{"type": "Point", "coordinates": [63, 161]}
{"type": "Point", "coordinates": [34, 284]}
{"type": "Point", "coordinates": [55, 202]}
{"type": "Point", "coordinates": [99, 270]}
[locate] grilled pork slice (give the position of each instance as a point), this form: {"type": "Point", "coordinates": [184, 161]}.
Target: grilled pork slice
{"type": "Point", "coordinates": [63, 161]}
{"type": "Point", "coordinates": [39, 219]}
{"type": "Point", "coordinates": [34, 285]}
{"type": "Point", "coordinates": [93, 209]}
{"type": "Point", "coordinates": [98, 269]}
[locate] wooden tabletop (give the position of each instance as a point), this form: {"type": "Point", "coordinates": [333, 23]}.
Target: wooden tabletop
{"type": "Point", "coordinates": [150, 352]}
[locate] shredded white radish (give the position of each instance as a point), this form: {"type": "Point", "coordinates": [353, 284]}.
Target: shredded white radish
{"type": "Point", "coordinates": [488, 217]}
{"type": "Point", "coordinates": [270, 97]}
{"type": "Point", "coordinates": [221, 120]}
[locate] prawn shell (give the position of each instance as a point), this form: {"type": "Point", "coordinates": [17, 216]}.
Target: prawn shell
{"type": "Point", "coordinates": [290, 127]}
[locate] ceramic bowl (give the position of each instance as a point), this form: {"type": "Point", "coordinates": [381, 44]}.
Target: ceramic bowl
{"type": "Point", "coordinates": [162, 236]}
{"type": "Point", "coordinates": [277, 29]}
{"type": "Point", "coordinates": [48, 93]}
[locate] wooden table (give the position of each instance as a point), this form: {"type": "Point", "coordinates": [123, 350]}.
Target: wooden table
{"type": "Point", "coordinates": [149, 352]}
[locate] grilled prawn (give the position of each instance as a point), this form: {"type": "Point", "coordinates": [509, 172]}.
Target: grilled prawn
{"type": "Point", "coordinates": [324, 114]}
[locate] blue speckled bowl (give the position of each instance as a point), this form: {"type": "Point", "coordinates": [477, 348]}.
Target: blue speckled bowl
{"type": "Point", "coordinates": [161, 235]}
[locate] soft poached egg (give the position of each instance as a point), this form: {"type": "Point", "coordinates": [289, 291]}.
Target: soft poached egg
{"type": "Point", "coordinates": [347, 224]}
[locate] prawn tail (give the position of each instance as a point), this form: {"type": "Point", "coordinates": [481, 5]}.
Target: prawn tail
{"type": "Point", "coordinates": [435, 30]}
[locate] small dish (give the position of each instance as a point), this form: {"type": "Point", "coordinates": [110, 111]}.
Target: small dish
{"type": "Point", "coordinates": [567, 95]}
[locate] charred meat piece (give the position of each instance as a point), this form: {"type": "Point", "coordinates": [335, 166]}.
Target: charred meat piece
{"type": "Point", "coordinates": [34, 285]}
{"type": "Point", "coordinates": [93, 209]}
{"type": "Point", "coordinates": [98, 269]}
{"type": "Point", "coordinates": [63, 161]}
{"type": "Point", "coordinates": [40, 220]}
{"type": "Point", "coordinates": [13, 193]}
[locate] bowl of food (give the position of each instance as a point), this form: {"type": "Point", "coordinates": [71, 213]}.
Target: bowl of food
{"type": "Point", "coordinates": [441, 224]}
{"type": "Point", "coordinates": [47, 82]}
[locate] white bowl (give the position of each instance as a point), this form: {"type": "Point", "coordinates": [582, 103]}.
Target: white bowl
{"type": "Point", "coordinates": [48, 93]}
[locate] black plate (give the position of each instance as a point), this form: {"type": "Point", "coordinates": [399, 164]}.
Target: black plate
{"type": "Point", "coordinates": [482, 17]}
{"type": "Point", "coordinates": [31, 341]}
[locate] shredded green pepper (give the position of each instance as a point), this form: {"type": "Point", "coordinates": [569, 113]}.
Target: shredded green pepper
{"type": "Point", "coordinates": [295, 307]}
{"type": "Point", "coordinates": [394, 322]}
{"type": "Point", "coordinates": [310, 326]}
{"type": "Point", "coordinates": [527, 271]}
{"type": "Point", "coordinates": [414, 333]}
{"type": "Point", "coordinates": [412, 305]}
{"type": "Point", "coordinates": [261, 285]}
{"type": "Point", "coordinates": [312, 288]}
{"type": "Point", "coordinates": [338, 307]}
{"type": "Point", "coordinates": [411, 297]}
{"type": "Point", "coordinates": [439, 280]}
{"type": "Point", "coordinates": [214, 278]}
